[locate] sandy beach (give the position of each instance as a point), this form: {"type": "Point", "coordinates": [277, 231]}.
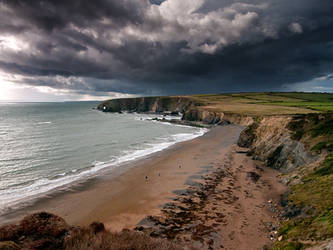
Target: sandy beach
{"type": "Point", "coordinates": [205, 191]}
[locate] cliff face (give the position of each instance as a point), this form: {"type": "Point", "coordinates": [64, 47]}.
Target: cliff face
{"type": "Point", "coordinates": [214, 117]}
{"type": "Point", "coordinates": [270, 140]}
{"type": "Point", "coordinates": [191, 109]}
{"type": "Point", "coordinates": [146, 104]}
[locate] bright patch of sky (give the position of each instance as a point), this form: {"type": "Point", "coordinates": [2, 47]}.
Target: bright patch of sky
{"type": "Point", "coordinates": [18, 92]}
{"type": "Point", "coordinates": [320, 84]}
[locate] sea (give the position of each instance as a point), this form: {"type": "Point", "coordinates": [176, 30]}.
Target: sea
{"type": "Point", "coordinates": [45, 147]}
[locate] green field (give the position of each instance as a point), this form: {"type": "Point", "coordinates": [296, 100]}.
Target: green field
{"type": "Point", "coordinates": [277, 103]}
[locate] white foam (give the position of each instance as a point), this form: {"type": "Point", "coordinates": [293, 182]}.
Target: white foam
{"type": "Point", "coordinates": [149, 117]}
{"type": "Point", "coordinates": [44, 123]}
{"type": "Point", "coordinates": [14, 198]}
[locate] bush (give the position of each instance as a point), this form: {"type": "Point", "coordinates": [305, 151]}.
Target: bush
{"type": "Point", "coordinates": [86, 239]}
{"type": "Point", "coordinates": [48, 231]}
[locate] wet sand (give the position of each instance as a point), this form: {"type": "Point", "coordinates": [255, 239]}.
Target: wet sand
{"type": "Point", "coordinates": [204, 191]}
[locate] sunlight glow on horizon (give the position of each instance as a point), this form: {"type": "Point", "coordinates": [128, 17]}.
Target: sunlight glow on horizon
{"type": "Point", "coordinates": [13, 90]}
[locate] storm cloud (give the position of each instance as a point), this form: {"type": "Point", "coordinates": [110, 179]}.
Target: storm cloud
{"type": "Point", "coordinates": [166, 47]}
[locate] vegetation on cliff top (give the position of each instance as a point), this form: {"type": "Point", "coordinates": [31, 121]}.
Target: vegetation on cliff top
{"type": "Point", "coordinates": [315, 197]}
{"type": "Point", "coordinates": [275, 103]}
{"type": "Point", "coordinates": [250, 104]}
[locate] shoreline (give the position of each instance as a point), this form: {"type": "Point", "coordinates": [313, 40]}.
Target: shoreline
{"type": "Point", "coordinates": [112, 169]}
{"type": "Point", "coordinates": [110, 173]}
{"type": "Point", "coordinates": [235, 205]}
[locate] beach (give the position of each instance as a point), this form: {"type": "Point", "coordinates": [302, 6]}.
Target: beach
{"type": "Point", "coordinates": [231, 195]}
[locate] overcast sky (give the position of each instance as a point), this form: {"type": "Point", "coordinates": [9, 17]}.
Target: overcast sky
{"type": "Point", "coordinates": [83, 49]}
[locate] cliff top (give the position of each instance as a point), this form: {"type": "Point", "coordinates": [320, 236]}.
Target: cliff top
{"type": "Point", "coordinates": [257, 104]}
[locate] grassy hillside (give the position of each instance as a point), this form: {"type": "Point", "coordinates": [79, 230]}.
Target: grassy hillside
{"type": "Point", "coordinates": [249, 104]}
{"type": "Point", "coordinates": [260, 104]}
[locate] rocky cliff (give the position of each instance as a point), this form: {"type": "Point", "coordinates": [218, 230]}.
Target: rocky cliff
{"type": "Point", "coordinates": [147, 104]}
{"type": "Point", "coordinates": [289, 142]}
{"type": "Point", "coordinates": [191, 109]}
{"type": "Point", "coordinates": [301, 147]}
{"type": "Point", "coordinates": [271, 140]}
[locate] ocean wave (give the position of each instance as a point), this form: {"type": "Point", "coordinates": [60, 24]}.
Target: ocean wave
{"type": "Point", "coordinates": [40, 123]}
{"type": "Point", "coordinates": [149, 117]}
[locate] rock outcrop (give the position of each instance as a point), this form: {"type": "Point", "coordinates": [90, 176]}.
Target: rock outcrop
{"type": "Point", "coordinates": [270, 140]}
{"type": "Point", "coordinates": [191, 109]}
{"type": "Point", "coordinates": [147, 104]}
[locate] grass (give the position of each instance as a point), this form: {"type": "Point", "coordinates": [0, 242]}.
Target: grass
{"type": "Point", "coordinates": [316, 97]}
{"type": "Point", "coordinates": [289, 246]}
{"type": "Point", "coordinates": [322, 145]}
{"type": "Point", "coordinates": [247, 104]}
{"type": "Point", "coordinates": [84, 239]}
{"type": "Point", "coordinates": [317, 188]}
{"type": "Point", "coordinates": [323, 128]}
{"type": "Point", "coordinates": [314, 128]}
{"type": "Point", "coordinates": [319, 106]}
{"type": "Point", "coordinates": [259, 104]}
{"type": "Point", "coordinates": [315, 196]}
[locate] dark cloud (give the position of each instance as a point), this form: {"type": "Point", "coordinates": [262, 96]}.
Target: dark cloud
{"type": "Point", "coordinates": [49, 15]}
{"type": "Point", "coordinates": [166, 47]}
{"type": "Point", "coordinates": [158, 2]}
